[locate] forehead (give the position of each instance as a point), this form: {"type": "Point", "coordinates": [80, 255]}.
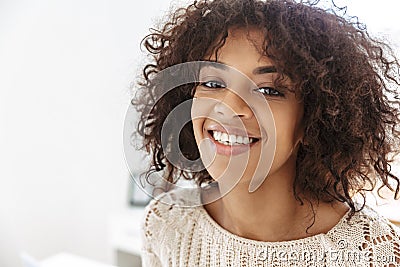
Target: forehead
{"type": "Point", "coordinates": [243, 50]}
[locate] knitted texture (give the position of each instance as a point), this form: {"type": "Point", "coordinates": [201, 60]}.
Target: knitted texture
{"type": "Point", "coordinates": [180, 236]}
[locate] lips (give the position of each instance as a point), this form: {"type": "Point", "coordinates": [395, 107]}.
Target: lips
{"type": "Point", "coordinates": [230, 140]}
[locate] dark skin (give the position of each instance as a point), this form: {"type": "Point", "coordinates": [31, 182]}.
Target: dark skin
{"type": "Point", "coordinates": [341, 75]}
{"type": "Point", "coordinates": [271, 213]}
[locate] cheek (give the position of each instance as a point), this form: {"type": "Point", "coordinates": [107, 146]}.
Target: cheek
{"type": "Point", "coordinates": [287, 116]}
{"type": "Point", "coordinates": [287, 128]}
{"type": "Point", "coordinates": [201, 108]}
{"type": "Point", "coordinates": [196, 121]}
{"type": "Point", "coordinates": [197, 128]}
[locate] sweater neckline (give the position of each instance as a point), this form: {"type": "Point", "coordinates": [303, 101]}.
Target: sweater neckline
{"type": "Point", "coordinates": [303, 240]}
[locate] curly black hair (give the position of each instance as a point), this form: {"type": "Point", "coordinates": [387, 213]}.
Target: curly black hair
{"type": "Point", "coordinates": [347, 80]}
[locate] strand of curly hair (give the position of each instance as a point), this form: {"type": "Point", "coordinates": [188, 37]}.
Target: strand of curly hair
{"type": "Point", "coordinates": [347, 80]}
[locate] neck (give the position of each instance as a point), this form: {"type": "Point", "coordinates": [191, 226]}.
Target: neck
{"type": "Point", "coordinates": [272, 213]}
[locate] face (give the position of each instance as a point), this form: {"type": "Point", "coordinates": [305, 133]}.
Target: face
{"type": "Point", "coordinates": [244, 126]}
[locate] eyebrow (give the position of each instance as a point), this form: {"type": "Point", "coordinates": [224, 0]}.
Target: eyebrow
{"type": "Point", "coordinates": [264, 70]}
{"type": "Point", "coordinates": [258, 70]}
{"type": "Point", "coordinates": [217, 65]}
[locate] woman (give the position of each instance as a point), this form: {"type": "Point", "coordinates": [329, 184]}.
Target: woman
{"type": "Point", "coordinates": [293, 115]}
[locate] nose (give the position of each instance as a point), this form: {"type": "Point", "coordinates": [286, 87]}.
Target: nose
{"type": "Point", "coordinates": [232, 105]}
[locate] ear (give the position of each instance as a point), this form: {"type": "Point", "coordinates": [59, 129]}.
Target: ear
{"type": "Point", "coordinates": [300, 128]}
{"type": "Point", "coordinates": [300, 135]}
{"type": "Point", "coordinates": [298, 143]}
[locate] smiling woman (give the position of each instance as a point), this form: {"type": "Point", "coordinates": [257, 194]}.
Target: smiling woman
{"type": "Point", "coordinates": [231, 106]}
{"type": "Point", "coordinates": [293, 117]}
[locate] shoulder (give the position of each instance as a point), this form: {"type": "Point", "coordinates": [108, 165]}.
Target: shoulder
{"type": "Point", "coordinates": [369, 224]}
{"type": "Point", "coordinates": [168, 213]}
{"type": "Point", "coordinates": [377, 225]}
{"type": "Point", "coordinates": [371, 233]}
{"type": "Point", "coordinates": [381, 237]}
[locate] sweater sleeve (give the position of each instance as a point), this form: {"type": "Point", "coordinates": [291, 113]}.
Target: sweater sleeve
{"type": "Point", "coordinates": [149, 259]}
{"type": "Point", "coordinates": [153, 223]}
{"type": "Point", "coordinates": [164, 220]}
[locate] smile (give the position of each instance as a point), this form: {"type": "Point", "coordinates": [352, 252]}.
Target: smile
{"type": "Point", "coordinates": [231, 144]}
{"type": "Point", "coordinates": [232, 140]}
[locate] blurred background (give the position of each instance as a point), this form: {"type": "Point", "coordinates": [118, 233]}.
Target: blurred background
{"type": "Point", "coordinates": [65, 72]}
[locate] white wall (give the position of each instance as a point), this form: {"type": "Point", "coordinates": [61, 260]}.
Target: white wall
{"type": "Point", "coordinates": [65, 69]}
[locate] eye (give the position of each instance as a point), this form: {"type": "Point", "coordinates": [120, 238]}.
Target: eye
{"type": "Point", "coordinates": [213, 84]}
{"type": "Point", "coordinates": [269, 91]}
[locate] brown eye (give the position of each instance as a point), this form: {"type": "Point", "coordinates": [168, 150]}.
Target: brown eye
{"type": "Point", "coordinates": [213, 84]}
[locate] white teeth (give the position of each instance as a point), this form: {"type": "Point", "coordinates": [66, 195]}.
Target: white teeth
{"type": "Point", "coordinates": [226, 139]}
{"type": "Point", "coordinates": [246, 140]}
{"type": "Point", "coordinates": [217, 135]}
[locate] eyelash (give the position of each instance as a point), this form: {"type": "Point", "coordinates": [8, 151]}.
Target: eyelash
{"type": "Point", "coordinates": [213, 84]}
{"type": "Point", "coordinates": [271, 91]}
{"type": "Point", "coordinates": [275, 92]}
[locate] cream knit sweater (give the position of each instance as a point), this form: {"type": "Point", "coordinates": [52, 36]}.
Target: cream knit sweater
{"type": "Point", "coordinates": [180, 236]}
